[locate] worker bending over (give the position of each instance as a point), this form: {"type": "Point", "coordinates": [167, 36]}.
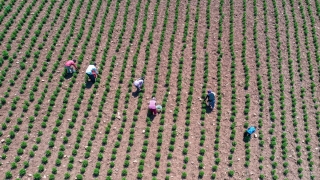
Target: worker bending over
{"type": "Point", "coordinates": [69, 64]}
{"type": "Point", "coordinates": [92, 72]}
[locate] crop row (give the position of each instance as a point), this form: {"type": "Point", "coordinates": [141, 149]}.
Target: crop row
{"type": "Point", "coordinates": [14, 103]}
{"type": "Point", "coordinates": [317, 55]}
{"type": "Point", "coordinates": [302, 96]}
{"type": "Point", "coordinates": [34, 38]}
{"type": "Point", "coordinates": [272, 114]}
{"type": "Point", "coordinates": [139, 102]}
{"type": "Point", "coordinates": [89, 107]}
{"type": "Point", "coordinates": [118, 93]}
{"type": "Point", "coordinates": [126, 162]}
{"type": "Point", "coordinates": [7, 10]}
{"type": "Point", "coordinates": [260, 89]}
{"type": "Point", "coordinates": [32, 119]}
{"type": "Point", "coordinates": [217, 159]}
{"type": "Point", "coordinates": [11, 22]}
{"type": "Point", "coordinates": [233, 86]}
{"type": "Point", "coordinates": [164, 103]}
{"type": "Point", "coordinates": [284, 141]}
{"type": "Point", "coordinates": [75, 114]}
{"type": "Point", "coordinates": [246, 69]}
{"type": "Point", "coordinates": [149, 122]}
{"type": "Point", "coordinates": [202, 150]}
{"type": "Point", "coordinates": [54, 97]}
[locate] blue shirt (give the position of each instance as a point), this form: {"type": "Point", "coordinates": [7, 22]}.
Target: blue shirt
{"type": "Point", "coordinates": [251, 130]}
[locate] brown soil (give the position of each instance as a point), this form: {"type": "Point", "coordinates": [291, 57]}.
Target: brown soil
{"type": "Point", "coordinates": [310, 101]}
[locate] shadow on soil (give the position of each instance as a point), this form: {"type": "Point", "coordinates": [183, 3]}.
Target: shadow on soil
{"type": "Point", "coordinates": [68, 76]}
{"type": "Point", "coordinates": [151, 116]}
{"type": "Point", "coordinates": [208, 109]}
{"type": "Point", "coordinates": [89, 84]}
{"type": "Point", "coordinates": [135, 94]}
{"type": "Point", "coordinates": [246, 137]}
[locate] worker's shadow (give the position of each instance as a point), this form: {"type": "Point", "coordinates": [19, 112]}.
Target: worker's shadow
{"type": "Point", "coordinates": [208, 109]}
{"type": "Point", "coordinates": [89, 84]}
{"type": "Point", "coordinates": [151, 116]}
{"type": "Point", "coordinates": [135, 94]}
{"type": "Point", "coordinates": [68, 76]}
{"type": "Point", "coordinates": [246, 137]}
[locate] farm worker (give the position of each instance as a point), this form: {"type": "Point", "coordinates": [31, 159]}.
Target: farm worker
{"type": "Point", "coordinates": [92, 72]}
{"type": "Point", "coordinates": [152, 106]}
{"type": "Point", "coordinates": [69, 65]}
{"type": "Point", "coordinates": [211, 98]}
{"type": "Point", "coordinates": [139, 83]}
{"type": "Point", "coordinates": [251, 130]}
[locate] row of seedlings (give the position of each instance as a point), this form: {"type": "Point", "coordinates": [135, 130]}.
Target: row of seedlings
{"type": "Point", "coordinates": [316, 46]}
{"type": "Point", "coordinates": [206, 38]}
{"type": "Point", "coordinates": [7, 10]}
{"type": "Point", "coordinates": [292, 90]}
{"type": "Point", "coordinates": [192, 75]}
{"type": "Point", "coordinates": [53, 98]}
{"type": "Point", "coordinates": [89, 107]}
{"type": "Point", "coordinates": [22, 172]}
{"type": "Point", "coordinates": [88, 148]}
{"type": "Point", "coordinates": [314, 34]}
{"type": "Point", "coordinates": [233, 86]}
{"type": "Point", "coordinates": [317, 3]}
{"type": "Point", "coordinates": [76, 107]}
{"type": "Point", "coordinates": [19, 27]}
{"type": "Point", "coordinates": [26, 103]}
{"type": "Point", "coordinates": [80, 132]}
{"type": "Point", "coordinates": [149, 122]}
{"type": "Point", "coordinates": [260, 90]}
{"type": "Point", "coordinates": [303, 94]}
{"type": "Point", "coordinates": [179, 84]}
{"type": "Point", "coordinates": [191, 89]}
{"type": "Point", "coordinates": [313, 86]}
{"type": "Point", "coordinates": [247, 79]}
{"type": "Point", "coordinates": [2, 5]}
{"type": "Point", "coordinates": [218, 94]}
{"type": "Point", "coordinates": [22, 65]}
{"type": "Point", "coordinates": [36, 55]}
{"type": "Point", "coordinates": [243, 52]}
{"type": "Point", "coordinates": [273, 118]}
{"type": "Point", "coordinates": [126, 162]}
{"type": "Point", "coordinates": [165, 100]}
{"type": "Point", "coordinates": [133, 70]}
{"type": "Point", "coordinates": [10, 22]}
{"type": "Point", "coordinates": [284, 141]}
{"type": "Point", "coordinates": [293, 99]}
{"type": "Point", "coordinates": [118, 91]}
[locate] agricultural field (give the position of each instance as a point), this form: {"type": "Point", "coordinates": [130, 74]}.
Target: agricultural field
{"type": "Point", "coordinates": [260, 57]}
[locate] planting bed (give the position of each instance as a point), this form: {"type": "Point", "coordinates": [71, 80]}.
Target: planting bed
{"type": "Point", "coordinates": [260, 57]}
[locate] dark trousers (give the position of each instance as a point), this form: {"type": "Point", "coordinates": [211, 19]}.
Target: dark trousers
{"type": "Point", "coordinates": [211, 103]}
{"type": "Point", "coordinates": [92, 78]}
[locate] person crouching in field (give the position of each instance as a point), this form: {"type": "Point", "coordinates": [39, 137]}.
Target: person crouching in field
{"type": "Point", "coordinates": [139, 83]}
{"type": "Point", "coordinates": [92, 72]}
{"type": "Point", "coordinates": [152, 106]}
{"type": "Point", "coordinates": [69, 64]}
{"type": "Point", "coordinates": [211, 99]}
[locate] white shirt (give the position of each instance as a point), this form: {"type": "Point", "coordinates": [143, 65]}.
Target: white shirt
{"type": "Point", "coordinates": [91, 68]}
{"type": "Point", "coordinates": [138, 83]}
